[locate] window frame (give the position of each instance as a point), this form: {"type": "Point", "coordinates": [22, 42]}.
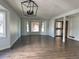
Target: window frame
{"type": "Point", "coordinates": [27, 27]}
{"type": "Point", "coordinates": [4, 25]}
{"type": "Point", "coordinates": [43, 23]}
{"type": "Point", "coordinates": [31, 26]}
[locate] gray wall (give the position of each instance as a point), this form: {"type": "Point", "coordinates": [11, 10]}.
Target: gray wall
{"type": "Point", "coordinates": [12, 27]}
{"type": "Point", "coordinates": [24, 20]}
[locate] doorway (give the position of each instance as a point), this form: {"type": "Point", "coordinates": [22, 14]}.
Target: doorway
{"type": "Point", "coordinates": [59, 26]}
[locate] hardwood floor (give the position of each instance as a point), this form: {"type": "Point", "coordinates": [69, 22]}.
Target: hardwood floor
{"type": "Point", "coordinates": [42, 47]}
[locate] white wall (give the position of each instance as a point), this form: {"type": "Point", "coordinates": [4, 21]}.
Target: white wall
{"type": "Point", "coordinates": [24, 32]}
{"type": "Point", "coordinates": [51, 27]}
{"type": "Point", "coordinates": [12, 27]}
{"type": "Point", "coordinates": [74, 26]}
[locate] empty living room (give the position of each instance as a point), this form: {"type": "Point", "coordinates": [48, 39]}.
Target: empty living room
{"type": "Point", "coordinates": [39, 29]}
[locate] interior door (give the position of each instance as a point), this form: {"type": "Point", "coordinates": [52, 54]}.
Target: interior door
{"type": "Point", "coordinates": [58, 28]}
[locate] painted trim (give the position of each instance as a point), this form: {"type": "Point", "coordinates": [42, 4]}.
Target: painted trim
{"type": "Point", "coordinates": [75, 11]}
{"type": "Point", "coordinates": [7, 47]}
{"type": "Point", "coordinates": [14, 42]}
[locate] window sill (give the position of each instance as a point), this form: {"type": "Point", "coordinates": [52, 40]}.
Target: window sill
{"type": "Point", "coordinates": [2, 36]}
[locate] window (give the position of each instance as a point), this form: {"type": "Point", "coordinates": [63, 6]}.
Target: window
{"type": "Point", "coordinates": [35, 26]}
{"type": "Point", "coordinates": [2, 24]}
{"type": "Point", "coordinates": [43, 26]}
{"type": "Point", "coordinates": [27, 26]}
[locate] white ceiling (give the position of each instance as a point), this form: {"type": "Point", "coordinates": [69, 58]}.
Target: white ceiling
{"type": "Point", "coordinates": [48, 8]}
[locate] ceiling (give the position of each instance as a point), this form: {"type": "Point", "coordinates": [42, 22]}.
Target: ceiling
{"type": "Point", "coordinates": [48, 8]}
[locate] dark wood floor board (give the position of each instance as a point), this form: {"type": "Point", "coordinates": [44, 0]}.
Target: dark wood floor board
{"type": "Point", "coordinates": [42, 47]}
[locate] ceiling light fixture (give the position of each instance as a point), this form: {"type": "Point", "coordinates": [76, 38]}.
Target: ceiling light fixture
{"type": "Point", "coordinates": [29, 7]}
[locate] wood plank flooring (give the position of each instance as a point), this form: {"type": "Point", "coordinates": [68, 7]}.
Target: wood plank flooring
{"type": "Point", "coordinates": [42, 47]}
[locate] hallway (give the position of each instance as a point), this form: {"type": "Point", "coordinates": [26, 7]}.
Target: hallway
{"type": "Point", "coordinates": [41, 47]}
{"type": "Point", "coordinates": [29, 29]}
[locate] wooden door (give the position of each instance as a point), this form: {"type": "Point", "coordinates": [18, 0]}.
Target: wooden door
{"type": "Point", "coordinates": [58, 28]}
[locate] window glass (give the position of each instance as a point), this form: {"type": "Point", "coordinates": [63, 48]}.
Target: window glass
{"type": "Point", "coordinates": [35, 26]}
{"type": "Point", "coordinates": [43, 26]}
{"type": "Point", "coordinates": [2, 23]}
{"type": "Point", "coordinates": [27, 26]}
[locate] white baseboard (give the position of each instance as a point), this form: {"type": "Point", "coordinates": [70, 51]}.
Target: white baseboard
{"type": "Point", "coordinates": [9, 46]}
{"type": "Point", "coordinates": [6, 47]}
{"type": "Point", "coordinates": [76, 39]}
{"type": "Point", "coordinates": [51, 36]}
{"type": "Point", "coordinates": [14, 42]}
